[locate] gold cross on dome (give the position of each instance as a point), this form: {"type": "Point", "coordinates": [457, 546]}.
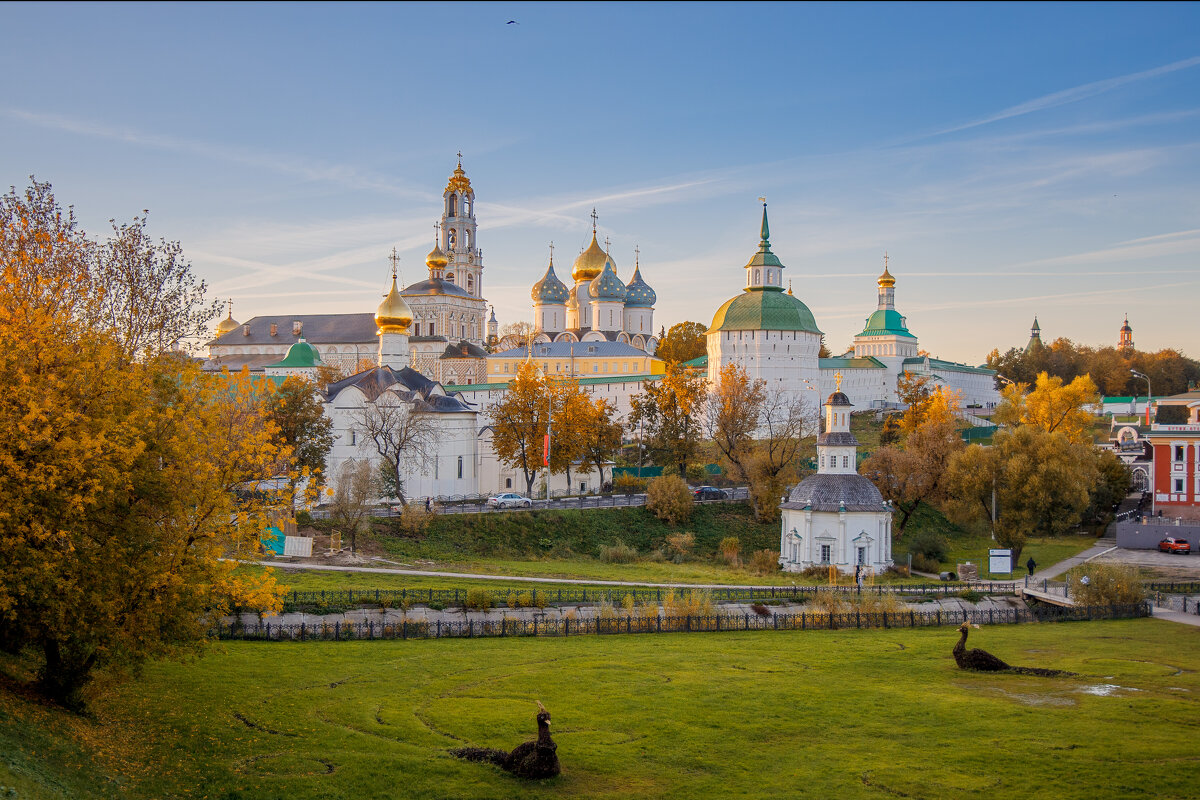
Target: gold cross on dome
{"type": "Point", "coordinates": [551, 252]}
{"type": "Point", "coordinates": [637, 254]}
{"type": "Point", "coordinates": [607, 245]}
{"type": "Point", "coordinates": [593, 219]}
{"type": "Point", "coordinates": [885, 259]}
{"type": "Point", "coordinates": [838, 376]}
{"type": "Point", "coordinates": [395, 259]}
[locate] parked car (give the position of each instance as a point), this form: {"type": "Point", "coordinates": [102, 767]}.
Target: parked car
{"type": "Point", "coordinates": [1173, 545]}
{"type": "Point", "coordinates": [710, 493]}
{"type": "Point", "coordinates": [509, 500]}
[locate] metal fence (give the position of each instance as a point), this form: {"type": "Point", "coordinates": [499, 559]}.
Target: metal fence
{"type": "Point", "coordinates": [447, 598]}
{"type": "Point", "coordinates": [1174, 602]}
{"type": "Point", "coordinates": [467, 629]}
{"type": "Point", "coordinates": [1173, 587]}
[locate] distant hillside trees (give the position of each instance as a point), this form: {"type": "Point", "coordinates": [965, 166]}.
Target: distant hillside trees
{"type": "Point", "coordinates": [1170, 371]}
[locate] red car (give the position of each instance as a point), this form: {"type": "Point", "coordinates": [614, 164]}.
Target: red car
{"type": "Point", "coordinates": [1173, 545]}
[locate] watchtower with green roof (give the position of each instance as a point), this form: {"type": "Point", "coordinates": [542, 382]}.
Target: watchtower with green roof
{"type": "Point", "coordinates": [885, 334]}
{"type": "Point", "coordinates": [769, 333]}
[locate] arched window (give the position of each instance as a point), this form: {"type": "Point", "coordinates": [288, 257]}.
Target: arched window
{"type": "Point", "coordinates": [452, 239]}
{"type": "Point", "coordinates": [508, 483]}
{"type": "Point", "coordinates": [757, 277]}
{"type": "Point", "coordinates": [471, 284]}
{"type": "Point", "coordinates": [452, 206]}
{"type": "Point", "coordinates": [450, 277]}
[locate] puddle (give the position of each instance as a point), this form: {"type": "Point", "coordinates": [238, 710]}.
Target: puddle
{"type": "Point", "coordinates": [1105, 689]}
{"type": "Point", "coordinates": [1026, 698]}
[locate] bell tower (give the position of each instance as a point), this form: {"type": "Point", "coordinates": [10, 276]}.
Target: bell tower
{"type": "Point", "coordinates": [464, 266]}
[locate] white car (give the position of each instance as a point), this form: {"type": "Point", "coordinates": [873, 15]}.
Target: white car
{"type": "Point", "coordinates": [509, 500]}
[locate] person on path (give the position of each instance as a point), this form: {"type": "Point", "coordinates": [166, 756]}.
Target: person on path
{"type": "Point", "coordinates": [1031, 565]}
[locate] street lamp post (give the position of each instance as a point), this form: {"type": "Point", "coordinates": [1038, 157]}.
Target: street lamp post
{"type": "Point", "coordinates": [1149, 393]}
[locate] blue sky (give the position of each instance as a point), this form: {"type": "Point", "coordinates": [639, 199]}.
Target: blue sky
{"type": "Point", "coordinates": [1012, 159]}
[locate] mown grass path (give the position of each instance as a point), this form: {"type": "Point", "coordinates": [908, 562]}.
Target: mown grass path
{"type": "Point", "coordinates": [845, 714]}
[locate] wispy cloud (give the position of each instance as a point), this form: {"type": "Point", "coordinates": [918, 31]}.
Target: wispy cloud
{"type": "Point", "coordinates": [309, 170]}
{"type": "Point", "coordinates": [1074, 94]}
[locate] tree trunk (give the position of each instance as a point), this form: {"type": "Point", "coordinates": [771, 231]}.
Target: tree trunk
{"type": "Point", "coordinates": [64, 675]}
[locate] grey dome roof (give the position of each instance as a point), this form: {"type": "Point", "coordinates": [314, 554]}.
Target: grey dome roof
{"type": "Point", "coordinates": [638, 292]}
{"type": "Point", "coordinates": [829, 492]}
{"type": "Point", "coordinates": [838, 399]}
{"type": "Point", "coordinates": [549, 290]}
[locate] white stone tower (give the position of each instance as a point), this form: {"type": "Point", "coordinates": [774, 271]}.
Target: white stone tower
{"type": "Point", "coordinates": [464, 266]}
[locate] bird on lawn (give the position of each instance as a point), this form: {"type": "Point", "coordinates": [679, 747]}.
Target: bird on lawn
{"type": "Point", "coordinates": [983, 661]}
{"type": "Point", "coordinates": [532, 760]}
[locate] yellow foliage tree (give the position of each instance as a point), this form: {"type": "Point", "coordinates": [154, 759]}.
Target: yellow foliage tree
{"type": "Point", "coordinates": [519, 422]}
{"type": "Point", "coordinates": [1052, 406]}
{"type": "Point", "coordinates": [126, 475]}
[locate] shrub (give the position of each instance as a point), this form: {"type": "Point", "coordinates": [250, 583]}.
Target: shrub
{"type": "Point", "coordinates": [478, 599]}
{"type": "Point", "coordinates": [886, 603]}
{"type": "Point", "coordinates": [680, 545]}
{"type": "Point", "coordinates": [436, 605]}
{"type": "Point", "coordinates": [972, 596]}
{"type": "Point", "coordinates": [656, 556]}
{"type": "Point", "coordinates": [924, 564]}
{"type": "Point", "coordinates": [1107, 584]}
{"type": "Point", "coordinates": [525, 599]}
{"type": "Point", "coordinates": [628, 483]}
{"type": "Point", "coordinates": [929, 544]}
{"type": "Point", "coordinates": [761, 610]}
{"type": "Point", "coordinates": [696, 473]}
{"type": "Point", "coordinates": [696, 603]}
{"type": "Point", "coordinates": [669, 499]}
{"type": "Point", "coordinates": [628, 603]}
{"type": "Point", "coordinates": [730, 548]}
{"type": "Point", "coordinates": [618, 553]}
{"type": "Point", "coordinates": [899, 570]}
{"type": "Point", "coordinates": [303, 519]}
{"type": "Point", "coordinates": [512, 600]}
{"type": "Point", "coordinates": [539, 599]}
{"type": "Point", "coordinates": [415, 520]}
{"type": "Point", "coordinates": [816, 571]}
{"type": "Point", "coordinates": [764, 562]}
{"type": "Point", "coordinates": [829, 602]}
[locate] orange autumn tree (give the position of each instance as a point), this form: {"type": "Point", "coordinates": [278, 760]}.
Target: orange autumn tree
{"type": "Point", "coordinates": [123, 468]}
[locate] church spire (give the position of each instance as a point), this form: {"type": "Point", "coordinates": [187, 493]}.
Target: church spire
{"type": "Point", "coordinates": [764, 271]}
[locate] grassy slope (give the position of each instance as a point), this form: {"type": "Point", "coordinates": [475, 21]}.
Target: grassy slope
{"type": "Point", "coordinates": [821, 714]}
{"type": "Point", "coordinates": [967, 546]}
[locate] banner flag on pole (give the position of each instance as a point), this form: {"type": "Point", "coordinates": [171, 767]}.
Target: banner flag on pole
{"type": "Point", "coordinates": [546, 451]}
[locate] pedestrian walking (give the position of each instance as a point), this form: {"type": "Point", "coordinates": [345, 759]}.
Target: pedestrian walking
{"type": "Point", "coordinates": [858, 577]}
{"type": "Point", "coordinates": [1031, 565]}
{"type": "Point", "coordinates": [429, 504]}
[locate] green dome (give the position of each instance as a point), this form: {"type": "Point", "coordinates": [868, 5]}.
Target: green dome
{"type": "Point", "coordinates": [768, 309]}
{"type": "Point", "coordinates": [301, 354]}
{"type": "Point", "coordinates": [886, 322]}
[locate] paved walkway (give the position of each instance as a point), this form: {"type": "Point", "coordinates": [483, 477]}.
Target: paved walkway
{"type": "Point", "coordinates": [1177, 616]}
{"type": "Point", "coordinates": [1054, 570]}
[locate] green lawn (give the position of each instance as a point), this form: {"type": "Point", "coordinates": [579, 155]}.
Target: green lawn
{"type": "Point", "coordinates": [819, 714]}
{"type": "Point", "coordinates": [967, 546]}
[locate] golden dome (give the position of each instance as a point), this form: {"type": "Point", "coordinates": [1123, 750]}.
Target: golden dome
{"type": "Point", "coordinates": [393, 314]}
{"type": "Point", "coordinates": [886, 281]}
{"type": "Point", "coordinates": [436, 258]}
{"type": "Point", "coordinates": [459, 182]}
{"type": "Point", "coordinates": [590, 262]}
{"type": "Point", "coordinates": [226, 325]}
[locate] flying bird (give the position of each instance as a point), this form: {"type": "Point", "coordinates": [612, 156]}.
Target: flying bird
{"type": "Point", "coordinates": [512, 22]}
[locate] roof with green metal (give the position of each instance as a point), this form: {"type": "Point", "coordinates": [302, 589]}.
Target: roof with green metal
{"type": "Point", "coordinates": [301, 354]}
{"type": "Point", "coordinates": [700, 362]}
{"type": "Point", "coordinates": [949, 366]}
{"type": "Point", "coordinates": [886, 322]}
{"type": "Point", "coordinates": [856, 362]}
{"type": "Point", "coordinates": [490, 387]}
{"type": "Point", "coordinates": [765, 308]}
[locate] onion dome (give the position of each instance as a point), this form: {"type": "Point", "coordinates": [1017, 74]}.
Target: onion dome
{"type": "Point", "coordinates": [591, 262]}
{"type": "Point", "coordinates": [229, 323]}
{"type": "Point", "coordinates": [638, 293]}
{"type": "Point", "coordinates": [436, 258]}
{"type": "Point", "coordinates": [301, 354]}
{"type": "Point", "coordinates": [1124, 328]}
{"type": "Point", "coordinates": [393, 314]}
{"type": "Point", "coordinates": [886, 280]}
{"type": "Point", "coordinates": [549, 290]}
{"type": "Point", "coordinates": [606, 285]}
